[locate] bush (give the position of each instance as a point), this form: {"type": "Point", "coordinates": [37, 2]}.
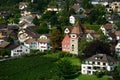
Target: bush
{"type": "Point", "coordinates": [99, 74]}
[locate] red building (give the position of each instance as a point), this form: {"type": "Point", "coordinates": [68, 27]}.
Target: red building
{"type": "Point", "coordinates": [66, 43]}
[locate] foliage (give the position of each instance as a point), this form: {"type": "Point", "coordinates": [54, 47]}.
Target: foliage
{"type": "Point", "coordinates": [2, 20]}
{"type": "Point", "coordinates": [11, 40]}
{"type": "Point", "coordinates": [50, 17]}
{"type": "Point", "coordinates": [99, 47]}
{"type": "Point", "coordinates": [42, 29]}
{"type": "Point", "coordinates": [118, 25]}
{"type": "Point", "coordinates": [83, 44]}
{"type": "Point", "coordinates": [38, 5]}
{"type": "Point", "coordinates": [91, 77]}
{"type": "Point", "coordinates": [36, 21]}
{"type": "Point", "coordinates": [97, 15]}
{"type": "Point", "coordinates": [5, 52]}
{"type": "Point", "coordinates": [56, 38]}
{"type": "Point", "coordinates": [99, 74]}
{"type": "Point", "coordinates": [65, 67]}
{"type": "Point", "coordinates": [44, 67]}
{"type": "Point", "coordinates": [86, 4]}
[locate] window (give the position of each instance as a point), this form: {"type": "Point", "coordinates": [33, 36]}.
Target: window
{"type": "Point", "coordinates": [98, 63]}
{"type": "Point", "coordinates": [26, 50]}
{"type": "Point", "coordinates": [89, 67]}
{"type": "Point", "coordinates": [19, 50]}
{"type": "Point", "coordinates": [72, 47]}
{"type": "Point", "coordinates": [103, 63]}
{"type": "Point", "coordinates": [93, 62]}
{"type": "Point", "coordinates": [72, 40]}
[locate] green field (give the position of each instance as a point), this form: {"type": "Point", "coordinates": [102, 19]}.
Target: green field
{"type": "Point", "coordinates": [36, 68]}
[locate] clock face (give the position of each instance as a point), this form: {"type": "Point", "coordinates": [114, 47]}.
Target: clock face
{"type": "Point", "coordinates": [73, 36]}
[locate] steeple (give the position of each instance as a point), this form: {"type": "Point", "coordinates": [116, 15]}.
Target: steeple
{"type": "Point", "coordinates": [78, 28]}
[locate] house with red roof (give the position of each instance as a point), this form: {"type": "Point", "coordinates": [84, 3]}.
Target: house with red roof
{"type": "Point", "coordinates": [71, 41]}
{"type": "Point", "coordinates": [66, 43]}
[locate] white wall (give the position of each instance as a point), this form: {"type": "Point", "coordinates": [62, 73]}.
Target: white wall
{"type": "Point", "coordinates": [20, 50]}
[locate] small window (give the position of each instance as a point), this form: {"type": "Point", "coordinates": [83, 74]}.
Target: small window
{"type": "Point", "coordinates": [98, 63]}
{"type": "Point", "coordinates": [103, 63]}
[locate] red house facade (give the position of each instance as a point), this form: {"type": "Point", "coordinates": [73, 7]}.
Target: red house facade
{"type": "Point", "coordinates": [66, 43]}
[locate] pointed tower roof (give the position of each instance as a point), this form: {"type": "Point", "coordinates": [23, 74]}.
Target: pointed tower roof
{"type": "Point", "coordinates": [78, 28]}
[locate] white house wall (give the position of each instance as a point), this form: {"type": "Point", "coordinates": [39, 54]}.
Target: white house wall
{"type": "Point", "coordinates": [20, 50]}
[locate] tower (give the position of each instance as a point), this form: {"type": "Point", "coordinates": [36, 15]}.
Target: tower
{"type": "Point", "coordinates": [76, 33]}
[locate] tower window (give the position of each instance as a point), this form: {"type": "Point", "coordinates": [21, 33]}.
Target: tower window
{"type": "Point", "coordinates": [72, 47]}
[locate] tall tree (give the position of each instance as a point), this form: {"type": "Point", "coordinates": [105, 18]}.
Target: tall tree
{"type": "Point", "coordinates": [96, 46]}
{"type": "Point", "coordinates": [86, 4]}
{"type": "Point", "coordinates": [56, 38]}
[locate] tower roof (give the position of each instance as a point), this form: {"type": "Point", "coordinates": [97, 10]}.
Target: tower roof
{"type": "Point", "coordinates": [78, 28]}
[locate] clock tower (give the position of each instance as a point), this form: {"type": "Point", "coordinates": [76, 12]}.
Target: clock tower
{"type": "Point", "coordinates": [76, 33]}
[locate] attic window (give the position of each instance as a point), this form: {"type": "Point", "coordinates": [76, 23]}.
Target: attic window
{"type": "Point", "coordinates": [99, 56]}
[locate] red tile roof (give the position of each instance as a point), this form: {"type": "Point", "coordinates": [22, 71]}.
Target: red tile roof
{"type": "Point", "coordinates": [43, 40]}
{"type": "Point", "coordinates": [109, 26]}
{"type": "Point", "coordinates": [78, 28]}
{"type": "Point", "coordinates": [29, 40]}
{"type": "Point", "coordinates": [117, 33]}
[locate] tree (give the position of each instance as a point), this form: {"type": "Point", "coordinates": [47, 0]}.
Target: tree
{"type": "Point", "coordinates": [42, 29]}
{"type": "Point", "coordinates": [11, 40]}
{"type": "Point", "coordinates": [97, 15]}
{"type": "Point", "coordinates": [96, 46]}
{"type": "Point", "coordinates": [56, 38]}
{"type": "Point", "coordinates": [86, 4]}
{"type": "Point", "coordinates": [36, 21]}
{"type": "Point", "coordinates": [65, 67]}
{"type": "Point", "coordinates": [2, 20]}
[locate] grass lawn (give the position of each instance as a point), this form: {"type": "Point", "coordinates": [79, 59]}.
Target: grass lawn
{"type": "Point", "coordinates": [27, 68]}
{"type": "Point", "coordinates": [31, 68]}
{"type": "Point", "coordinates": [91, 77]}
{"type": "Point", "coordinates": [37, 68]}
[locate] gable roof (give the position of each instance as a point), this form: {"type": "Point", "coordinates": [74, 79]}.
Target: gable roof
{"type": "Point", "coordinates": [12, 46]}
{"type": "Point", "coordinates": [101, 58]}
{"type": "Point", "coordinates": [95, 35]}
{"type": "Point", "coordinates": [66, 39]}
{"type": "Point", "coordinates": [28, 41]}
{"type": "Point", "coordinates": [89, 31]}
{"type": "Point", "coordinates": [4, 44]}
{"type": "Point", "coordinates": [78, 28]}
{"type": "Point", "coordinates": [109, 26]}
{"type": "Point", "coordinates": [117, 33]}
{"type": "Point", "coordinates": [43, 40]}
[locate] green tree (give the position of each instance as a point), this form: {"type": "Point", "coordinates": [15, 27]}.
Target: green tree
{"type": "Point", "coordinates": [97, 15]}
{"type": "Point", "coordinates": [56, 38]}
{"type": "Point", "coordinates": [99, 47]}
{"type": "Point", "coordinates": [11, 40]}
{"type": "Point", "coordinates": [2, 20]}
{"type": "Point", "coordinates": [86, 4]}
{"type": "Point", "coordinates": [36, 21]}
{"type": "Point", "coordinates": [42, 29]}
{"type": "Point", "coordinates": [65, 67]}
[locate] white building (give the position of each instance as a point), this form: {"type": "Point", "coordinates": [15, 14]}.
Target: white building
{"type": "Point", "coordinates": [92, 36]}
{"type": "Point", "coordinates": [102, 2]}
{"type": "Point", "coordinates": [31, 43]}
{"type": "Point", "coordinates": [73, 18]}
{"type": "Point", "coordinates": [19, 50]}
{"type": "Point", "coordinates": [43, 43]}
{"type": "Point", "coordinates": [117, 49]}
{"type": "Point", "coordinates": [108, 28]}
{"type": "Point", "coordinates": [98, 62]}
{"type": "Point", "coordinates": [117, 34]}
